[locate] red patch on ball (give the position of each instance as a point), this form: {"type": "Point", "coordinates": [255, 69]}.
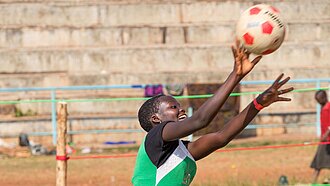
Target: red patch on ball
{"type": "Point", "coordinates": [274, 9]}
{"type": "Point", "coordinates": [248, 38]}
{"type": "Point", "coordinates": [255, 10]}
{"type": "Point", "coordinates": [267, 28]}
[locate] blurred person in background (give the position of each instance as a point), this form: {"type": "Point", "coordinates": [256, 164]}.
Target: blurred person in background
{"type": "Point", "coordinates": [322, 157]}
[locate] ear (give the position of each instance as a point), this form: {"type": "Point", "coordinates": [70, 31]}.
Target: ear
{"type": "Point", "coordinates": [155, 119]}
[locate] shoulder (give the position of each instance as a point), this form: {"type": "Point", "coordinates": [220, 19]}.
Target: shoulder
{"type": "Point", "coordinates": [327, 106]}
{"type": "Point", "coordinates": [156, 148]}
{"type": "Point", "coordinates": [156, 131]}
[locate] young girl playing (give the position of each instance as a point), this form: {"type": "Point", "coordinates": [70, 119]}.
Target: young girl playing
{"type": "Point", "coordinates": [164, 159]}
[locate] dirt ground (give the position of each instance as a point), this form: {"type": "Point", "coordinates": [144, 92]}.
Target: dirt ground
{"type": "Point", "coordinates": [252, 167]}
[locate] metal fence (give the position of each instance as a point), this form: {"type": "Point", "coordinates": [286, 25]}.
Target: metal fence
{"type": "Point", "coordinates": [53, 100]}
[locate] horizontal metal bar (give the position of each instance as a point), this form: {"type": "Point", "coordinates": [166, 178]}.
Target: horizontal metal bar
{"type": "Point", "coordinates": [261, 82]}
{"type": "Point", "coordinates": [79, 132]}
{"type": "Point", "coordinates": [71, 119]}
{"type": "Point", "coordinates": [93, 87]}
{"type": "Point", "coordinates": [258, 126]}
{"type": "Point", "coordinates": [105, 131]}
{"type": "Point", "coordinates": [252, 126]}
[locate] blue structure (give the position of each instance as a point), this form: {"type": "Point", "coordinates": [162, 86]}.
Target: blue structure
{"type": "Point", "coordinates": [53, 101]}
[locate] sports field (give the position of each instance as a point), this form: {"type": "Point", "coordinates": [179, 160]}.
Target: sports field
{"type": "Point", "coordinates": [241, 167]}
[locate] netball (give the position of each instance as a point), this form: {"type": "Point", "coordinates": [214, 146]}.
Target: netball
{"type": "Point", "coordinates": [261, 29]}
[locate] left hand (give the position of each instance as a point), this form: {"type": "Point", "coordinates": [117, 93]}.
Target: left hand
{"type": "Point", "coordinates": [272, 94]}
{"type": "Point", "coordinates": [242, 64]}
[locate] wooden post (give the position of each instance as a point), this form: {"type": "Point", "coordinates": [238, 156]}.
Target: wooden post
{"type": "Point", "coordinates": [61, 158]}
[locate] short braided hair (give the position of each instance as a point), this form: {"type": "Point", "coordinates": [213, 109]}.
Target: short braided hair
{"type": "Point", "coordinates": [148, 108]}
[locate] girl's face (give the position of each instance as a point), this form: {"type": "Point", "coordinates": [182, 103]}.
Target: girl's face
{"type": "Point", "coordinates": [170, 110]}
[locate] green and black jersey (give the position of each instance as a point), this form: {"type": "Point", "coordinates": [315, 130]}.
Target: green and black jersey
{"type": "Point", "coordinates": [163, 163]}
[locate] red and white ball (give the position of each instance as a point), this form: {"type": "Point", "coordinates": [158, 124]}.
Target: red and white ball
{"type": "Point", "coordinates": [260, 29]}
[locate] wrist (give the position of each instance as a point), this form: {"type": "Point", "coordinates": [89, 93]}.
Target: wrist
{"type": "Point", "coordinates": [257, 105]}
{"type": "Point", "coordinates": [236, 77]}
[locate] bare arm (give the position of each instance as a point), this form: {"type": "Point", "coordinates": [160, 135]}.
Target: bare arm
{"type": "Point", "coordinates": [325, 135]}
{"type": "Point", "coordinates": [211, 142]}
{"type": "Point", "coordinates": [205, 114]}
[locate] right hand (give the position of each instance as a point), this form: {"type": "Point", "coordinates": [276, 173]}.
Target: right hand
{"type": "Point", "coordinates": [242, 64]}
{"type": "Point", "coordinates": [272, 94]}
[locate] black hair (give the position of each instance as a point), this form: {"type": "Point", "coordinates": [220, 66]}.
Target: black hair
{"type": "Point", "coordinates": [320, 91]}
{"type": "Point", "coordinates": [148, 108]}
{"type": "Point", "coordinates": [321, 97]}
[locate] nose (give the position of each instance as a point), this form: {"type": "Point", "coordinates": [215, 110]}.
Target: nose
{"type": "Point", "coordinates": [182, 111]}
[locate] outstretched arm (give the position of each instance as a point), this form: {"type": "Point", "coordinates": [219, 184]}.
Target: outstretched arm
{"type": "Point", "coordinates": [205, 114]}
{"type": "Point", "coordinates": [213, 141]}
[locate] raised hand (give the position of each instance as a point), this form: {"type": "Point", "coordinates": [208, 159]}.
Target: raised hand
{"type": "Point", "coordinates": [272, 94]}
{"type": "Point", "coordinates": [242, 64]}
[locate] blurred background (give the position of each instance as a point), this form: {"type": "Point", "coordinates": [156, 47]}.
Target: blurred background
{"type": "Point", "coordinates": [104, 57]}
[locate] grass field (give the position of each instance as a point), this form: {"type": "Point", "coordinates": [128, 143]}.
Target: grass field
{"type": "Point", "coordinates": [252, 167]}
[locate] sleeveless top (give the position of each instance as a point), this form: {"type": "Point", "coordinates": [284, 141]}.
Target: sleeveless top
{"type": "Point", "coordinates": [163, 163]}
